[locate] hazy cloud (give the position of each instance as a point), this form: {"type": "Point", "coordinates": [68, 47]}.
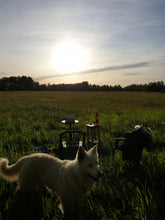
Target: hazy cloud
{"type": "Point", "coordinates": [3, 74]}
{"type": "Point", "coordinates": [104, 69]}
{"type": "Point", "coordinates": [122, 67]}
{"type": "Point", "coordinates": [131, 74]}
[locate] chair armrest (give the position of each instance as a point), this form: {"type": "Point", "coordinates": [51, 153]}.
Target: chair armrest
{"type": "Point", "coordinates": [66, 144]}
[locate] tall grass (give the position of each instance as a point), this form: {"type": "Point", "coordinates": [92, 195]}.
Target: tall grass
{"type": "Point", "coordinates": [34, 118]}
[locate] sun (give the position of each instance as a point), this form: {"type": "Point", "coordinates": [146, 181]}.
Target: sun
{"type": "Point", "coordinates": [69, 57]}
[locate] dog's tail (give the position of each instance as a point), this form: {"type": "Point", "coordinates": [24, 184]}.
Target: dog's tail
{"type": "Point", "coordinates": [10, 173]}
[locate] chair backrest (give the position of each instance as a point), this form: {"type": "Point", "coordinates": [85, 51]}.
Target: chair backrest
{"type": "Point", "coordinates": [70, 140]}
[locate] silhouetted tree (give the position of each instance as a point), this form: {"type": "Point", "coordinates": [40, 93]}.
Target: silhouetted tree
{"type": "Point", "coordinates": [134, 87]}
{"type": "Point", "coordinates": [21, 83]}
{"type": "Point", "coordinates": [18, 83]}
{"type": "Point", "coordinates": [155, 86]}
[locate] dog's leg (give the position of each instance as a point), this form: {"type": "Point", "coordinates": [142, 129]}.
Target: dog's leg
{"type": "Point", "coordinates": [67, 210]}
{"type": "Point", "coordinates": [71, 211]}
{"type": "Point", "coordinates": [61, 208]}
{"type": "Point", "coordinates": [76, 212]}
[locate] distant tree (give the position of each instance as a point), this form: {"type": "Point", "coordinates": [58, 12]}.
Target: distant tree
{"type": "Point", "coordinates": [18, 83]}
{"type": "Point", "coordinates": [21, 83]}
{"type": "Point", "coordinates": [117, 88]}
{"type": "Point", "coordinates": [43, 87]}
{"type": "Point", "coordinates": [13, 83]}
{"type": "Point", "coordinates": [84, 86]}
{"type": "Point", "coordinates": [133, 87]}
{"type": "Point", "coordinates": [4, 84]}
{"type": "Point", "coordinates": [155, 86]}
{"type": "Point", "coordinates": [36, 86]}
{"type": "Point", "coordinates": [105, 88]}
{"type": "Point", "coordinates": [26, 83]}
{"type": "Point", "coordinates": [95, 87]}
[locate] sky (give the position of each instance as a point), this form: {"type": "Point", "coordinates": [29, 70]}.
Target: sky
{"type": "Point", "coordinates": [109, 42]}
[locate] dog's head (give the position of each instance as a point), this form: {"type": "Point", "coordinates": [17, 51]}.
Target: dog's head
{"type": "Point", "coordinates": [89, 163]}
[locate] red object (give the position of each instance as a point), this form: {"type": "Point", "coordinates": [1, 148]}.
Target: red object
{"type": "Point", "coordinates": [97, 118]}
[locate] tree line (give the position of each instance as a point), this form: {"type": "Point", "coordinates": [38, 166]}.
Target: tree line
{"type": "Point", "coordinates": [24, 83]}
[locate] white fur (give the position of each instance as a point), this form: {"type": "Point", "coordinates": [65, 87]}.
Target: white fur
{"type": "Point", "coordinates": [70, 179]}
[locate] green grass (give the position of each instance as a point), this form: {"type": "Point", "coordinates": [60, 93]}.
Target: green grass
{"type": "Point", "coordinates": [29, 118]}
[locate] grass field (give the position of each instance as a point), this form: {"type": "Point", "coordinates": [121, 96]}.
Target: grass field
{"type": "Point", "coordinates": [34, 118]}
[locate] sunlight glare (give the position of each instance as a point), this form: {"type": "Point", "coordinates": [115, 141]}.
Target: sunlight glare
{"type": "Point", "coordinates": [70, 57]}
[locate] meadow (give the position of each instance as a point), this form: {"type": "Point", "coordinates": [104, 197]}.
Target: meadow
{"type": "Point", "coordinates": [29, 119]}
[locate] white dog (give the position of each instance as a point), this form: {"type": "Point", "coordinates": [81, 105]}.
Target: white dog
{"type": "Point", "coordinates": [70, 179]}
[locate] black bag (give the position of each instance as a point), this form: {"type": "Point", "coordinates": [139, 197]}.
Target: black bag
{"type": "Point", "coordinates": [133, 143]}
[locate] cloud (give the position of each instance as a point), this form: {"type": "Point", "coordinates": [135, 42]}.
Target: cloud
{"type": "Point", "coordinates": [119, 67]}
{"type": "Point", "coordinates": [104, 69]}
{"type": "Point", "coordinates": [3, 74]}
{"type": "Point", "coordinates": [131, 74]}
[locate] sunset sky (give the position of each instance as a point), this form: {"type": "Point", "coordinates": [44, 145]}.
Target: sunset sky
{"type": "Point", "coordinates": [69, 41]}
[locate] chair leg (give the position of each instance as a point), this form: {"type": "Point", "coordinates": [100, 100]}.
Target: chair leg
{"type": "Point", "coordinates": [113, 152]}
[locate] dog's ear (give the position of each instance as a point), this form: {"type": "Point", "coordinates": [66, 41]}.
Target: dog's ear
{"type": "Point", "coordinates": [93, 150]}
{"type": "Point", "coordinates": [81, 153]}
